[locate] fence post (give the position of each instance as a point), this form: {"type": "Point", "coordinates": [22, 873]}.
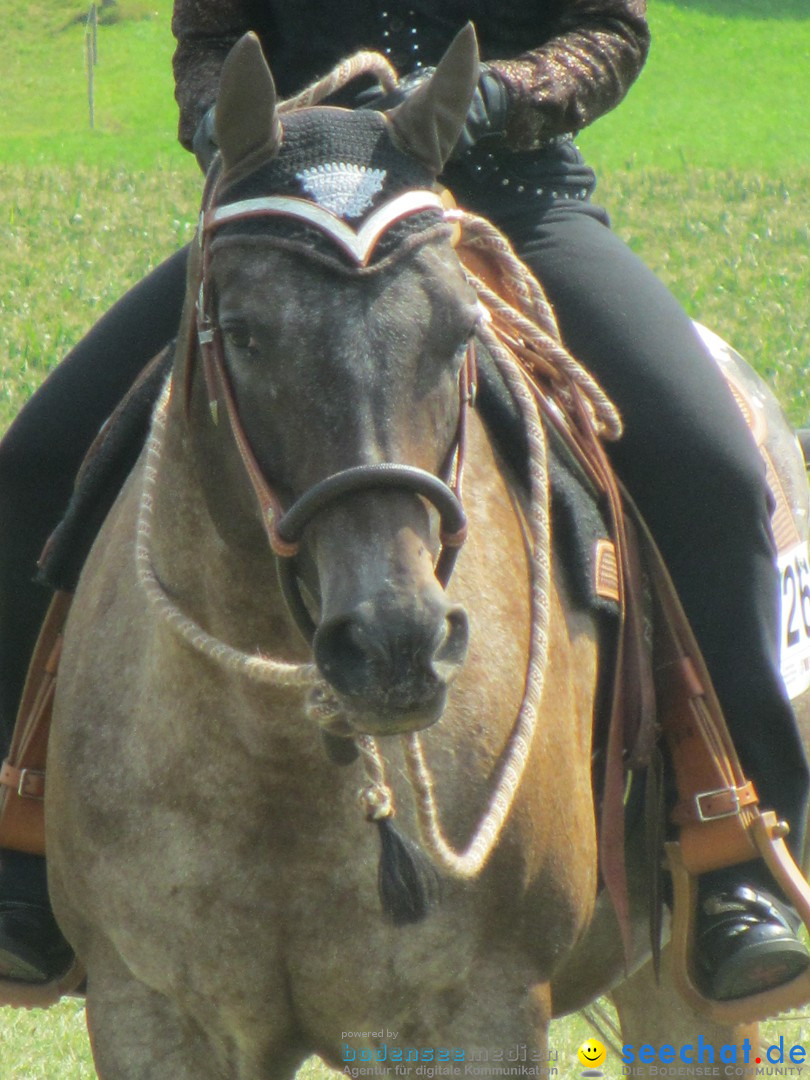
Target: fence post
{"type": "Point", "coordinates": [91, 59]}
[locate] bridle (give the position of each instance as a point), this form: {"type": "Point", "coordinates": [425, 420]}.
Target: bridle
{"type": "Point", "coordinates": [285, 527]}
{"type": "Point", "coordinates": [519, 330]}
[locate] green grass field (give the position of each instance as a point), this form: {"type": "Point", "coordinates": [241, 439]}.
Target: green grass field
{"type": "Point", "coordinates": [705, 169]}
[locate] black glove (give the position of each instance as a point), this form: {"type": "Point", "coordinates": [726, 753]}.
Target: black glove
{"type": "Point", "coordinates": [204, 144]}
{"type": "Point", "coordinates": [486, 117]}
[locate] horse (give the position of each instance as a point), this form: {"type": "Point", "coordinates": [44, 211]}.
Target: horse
{"type": "Point", "coordinates": [281, 585]}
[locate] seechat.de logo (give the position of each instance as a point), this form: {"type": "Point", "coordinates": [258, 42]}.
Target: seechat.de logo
{"type": "Point", "coordinates": [702, 1053]}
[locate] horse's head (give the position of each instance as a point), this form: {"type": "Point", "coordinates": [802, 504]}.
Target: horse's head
{"type": "Point", "coordinates": [335, 320]}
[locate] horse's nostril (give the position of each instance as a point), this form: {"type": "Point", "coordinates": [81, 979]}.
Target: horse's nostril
{"type": "Point", "coordinates": [453, 648]}
{"type": "Point", "coordinates": [345, 651]}
{"type": "Point", "coordinates": [390, 655]}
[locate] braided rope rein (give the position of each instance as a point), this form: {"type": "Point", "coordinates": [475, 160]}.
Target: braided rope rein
{"type": "Point", "coordinates": [529, 319]}
{"type": "Point", "coordinates": [361, 63]}
{"type": "Point", "coordinates": [259, 668]}
{"type": "Point", "coordinates": [470, 862]}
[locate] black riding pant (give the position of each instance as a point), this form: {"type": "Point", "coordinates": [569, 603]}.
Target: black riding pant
{"type": "Point", "coordinates": [685, 455]}
{"type": "Point", "coordinates": [43, 448]}
{"type": "Point", "coordinates": [689, 460]}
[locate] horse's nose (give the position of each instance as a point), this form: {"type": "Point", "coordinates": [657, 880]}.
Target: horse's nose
{"type": "Point", "coordinates": [392, 660]}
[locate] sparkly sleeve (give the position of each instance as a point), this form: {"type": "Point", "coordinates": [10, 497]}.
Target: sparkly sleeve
{"type": "Point", "coordinates": [594, 53]}
{"type": "Point", "coordinates": [205, 31]}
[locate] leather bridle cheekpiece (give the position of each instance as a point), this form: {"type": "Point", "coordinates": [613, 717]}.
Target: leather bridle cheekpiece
{"type": "Point", "coordinates": [285, 528]}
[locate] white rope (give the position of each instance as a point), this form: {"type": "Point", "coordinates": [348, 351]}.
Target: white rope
{"type": "Point", "coordinates": [362, 63]}
{"type": "Point", "coordinates": [471, 861]}
{"type": "Point", "coordinates": [254, 666]}
{"type": "Point", "coordinates": [532, 321]}
{"type": "Point", "coordinates": [376, 799]}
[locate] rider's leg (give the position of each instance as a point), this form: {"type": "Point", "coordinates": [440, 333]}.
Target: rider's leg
{"type": "Point", "coordinates": [690, 462]}
{"type": "Point", "coordinates": [39, 457]}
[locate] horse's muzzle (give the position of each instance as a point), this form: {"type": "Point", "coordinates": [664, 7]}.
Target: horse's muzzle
{"type": "Point", "coordinates": [392, 659]}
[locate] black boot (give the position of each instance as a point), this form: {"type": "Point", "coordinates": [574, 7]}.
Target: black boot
{"type": "Point", "coordinates": [32, 948]}
{"type": "Point", "coordinates": [747, 942]}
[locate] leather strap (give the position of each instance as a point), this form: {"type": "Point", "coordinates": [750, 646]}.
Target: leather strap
{"type": "Point", "coordinates": [27, 783]}
{"type": "Point", "coordinates": [717, 803]}
{"type": "Point", "coordinates": [22, 775]}
{"type": "Point", "coordinates": [711, 805]}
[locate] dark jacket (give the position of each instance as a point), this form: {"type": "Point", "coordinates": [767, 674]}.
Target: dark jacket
{"type": "Point", "coordinates": [565, 62]}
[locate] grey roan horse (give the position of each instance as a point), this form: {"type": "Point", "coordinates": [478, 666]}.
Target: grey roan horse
{"type": "Point", "coordinates": [208, 859]}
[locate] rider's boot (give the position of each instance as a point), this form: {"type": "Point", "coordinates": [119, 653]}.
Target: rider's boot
{"type": "Point", "coordinates": [746, 938]}
{"type": "Point", "coordinates": [32, 948]}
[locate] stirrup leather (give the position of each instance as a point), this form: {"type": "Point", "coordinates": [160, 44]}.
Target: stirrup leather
{"type": "Point", "coordinates": [22, 774]}
{"type": "Point", "coordinates": [718, 814]}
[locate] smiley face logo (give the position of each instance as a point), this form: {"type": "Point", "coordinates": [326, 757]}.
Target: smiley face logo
{"type": "Point", "coordinates": [592, 1054]}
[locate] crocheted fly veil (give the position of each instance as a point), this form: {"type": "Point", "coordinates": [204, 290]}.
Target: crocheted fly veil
{"type": "Point", "coordinates": [346, 163]}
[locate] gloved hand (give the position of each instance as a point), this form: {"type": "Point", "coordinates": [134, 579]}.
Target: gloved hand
{"type": "Point", "coordinates": [486, 117]}
{"type": "Point", "coordinates": [204, 144]}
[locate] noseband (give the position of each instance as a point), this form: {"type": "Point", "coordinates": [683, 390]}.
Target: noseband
{"type": "Point", "coordinates": [285, 528]}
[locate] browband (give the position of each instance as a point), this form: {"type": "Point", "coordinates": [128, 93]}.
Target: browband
{"type": "Point", "coordinates": [359, 243]}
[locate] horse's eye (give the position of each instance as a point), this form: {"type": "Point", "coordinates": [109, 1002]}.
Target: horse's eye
{"type": "Point", "coordinates": [239, 337]}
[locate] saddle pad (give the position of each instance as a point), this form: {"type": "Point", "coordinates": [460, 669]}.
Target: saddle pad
{"type": "Point", "coordinates": [580, 535]}
{"type": "Point", "coordinates": [107, 465]}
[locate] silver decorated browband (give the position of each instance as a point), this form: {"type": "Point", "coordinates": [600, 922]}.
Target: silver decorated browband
{"type": "Point", "coordinates": [358, 243]}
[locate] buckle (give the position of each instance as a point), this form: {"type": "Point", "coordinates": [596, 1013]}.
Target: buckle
{"type": "Point", "coordinates": [707, 815]}
{"type": "Point", "coordinates": [31, 784]}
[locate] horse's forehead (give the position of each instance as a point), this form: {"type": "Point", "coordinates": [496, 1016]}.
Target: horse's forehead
{"type": "Point", "coordinates": [251, 270]}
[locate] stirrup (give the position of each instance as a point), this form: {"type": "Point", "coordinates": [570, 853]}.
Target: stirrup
{"type": "Point", "coordinates": [767, 835]}
{"type": "Point", "coordinates": [24, 995]}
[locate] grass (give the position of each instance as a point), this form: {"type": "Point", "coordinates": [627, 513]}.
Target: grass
{"type": "Point", "coordinates": [734, 247]}
{"type": "Point", "coordinates": [48, 1045]}
{"type": "Point", "coordinates": [704, 169]}
{"type": "Point", "coordinates": [54, 1045]}
{"type": "Point", "coordinates": [736, 253]}
{"type": "Point", "coordinates": [724, 87]}
{"type": "Point", "coordinates": [43, 85]}
{"type": "Point", "coordinates": [72, 243]}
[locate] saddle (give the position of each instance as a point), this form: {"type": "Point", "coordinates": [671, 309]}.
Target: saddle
{"type": "Point", "coordinates": [659, 687]}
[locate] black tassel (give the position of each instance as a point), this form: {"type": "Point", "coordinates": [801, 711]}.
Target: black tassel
{"type": "Point", "coordinates": [407, 881]}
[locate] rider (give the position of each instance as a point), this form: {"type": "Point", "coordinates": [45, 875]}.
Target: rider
{"type": "Point", "coordinates": [549, 70]}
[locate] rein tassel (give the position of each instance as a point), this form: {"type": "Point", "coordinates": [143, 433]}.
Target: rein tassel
{"type": "Point", "coordinates": [407, 881]}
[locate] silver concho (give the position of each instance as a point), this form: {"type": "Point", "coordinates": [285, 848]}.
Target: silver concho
{"type": "Point", "coordinates": [345, 190]}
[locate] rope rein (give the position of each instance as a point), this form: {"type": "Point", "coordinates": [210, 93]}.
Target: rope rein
{"type": "Point", "coordinates": [361, 63]}
{"type": "Point", "coordinates": [521, 333]}
{"type": "Point", "coordinates": [257, 667]}
{"type": "Point", "coordinates": [472, 860]}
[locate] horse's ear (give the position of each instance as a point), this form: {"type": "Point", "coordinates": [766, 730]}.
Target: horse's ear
{"type": "Point", "coordinates": [429, 121]}
{"type": "Point", "coordinates": [247, 124]}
